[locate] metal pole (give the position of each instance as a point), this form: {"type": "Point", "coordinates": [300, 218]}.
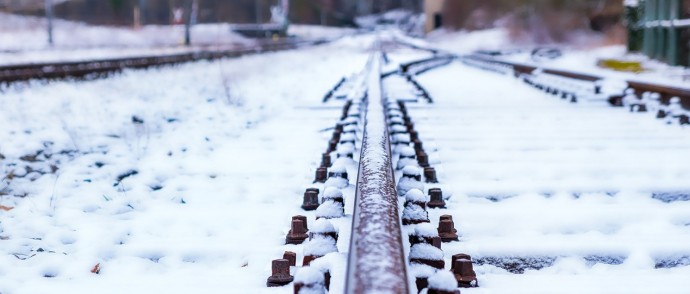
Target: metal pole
{"type": "Point", "coordinates": [634, 32]}
{"type": "Point", "coordinates": [142, 12]}
{"type": "Point", "coordinates": [49, 16]}
{"type": "Point", "coordinates": [191, 19]}
{"type": "Point", "coordinates": [286, 10]}
{"type": "Point", "coordinates": [323, 13]}
{"type": "Point", "coordinates": [662, 10]}
{"type": "Point", "coordinates": [257, 11]}
{"type": "Point", "coordinates": [672, 47]}
{"type": "Point", "coordinates": [649, 14]}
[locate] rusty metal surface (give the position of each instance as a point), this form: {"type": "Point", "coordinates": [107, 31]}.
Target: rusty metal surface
{"type": "Point", "coordinates": [376, 262]}
{"type": "Point", "coordinates": [666, 92]}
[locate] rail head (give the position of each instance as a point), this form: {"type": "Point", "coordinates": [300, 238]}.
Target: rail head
{"type": "Point", "coordinates": [376, 262]}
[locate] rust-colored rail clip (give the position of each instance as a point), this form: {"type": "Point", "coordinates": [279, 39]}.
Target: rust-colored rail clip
{"type": "Point", "coordinates": [281, 273]}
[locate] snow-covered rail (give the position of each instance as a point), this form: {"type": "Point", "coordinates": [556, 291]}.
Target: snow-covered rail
{"type": "Point", "coordinates": [381, 225]}
{"type": "Point", "coordinates": [99, 68]}
{"type": "Point", "coordinates": [376, 260]}
{"type": "Point", "coordinates": [667, 102]}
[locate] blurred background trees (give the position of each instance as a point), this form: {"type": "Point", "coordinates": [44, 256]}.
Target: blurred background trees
{"type": "Point", "coordinates": [540, 21]}
{"type": "Point", "coordinates": [536, 20]}
{"type": "Point", "coordinates": [121, 12]}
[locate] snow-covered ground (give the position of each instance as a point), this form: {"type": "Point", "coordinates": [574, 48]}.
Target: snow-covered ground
{"type": "Point", "coordinates": [184, 179]}
{"type": "Point", "coordinates": [567, 187]}
{"type": "Point", "coordinates": [222, 153]}
{"type": "Point", "coordinates": [23, 39]}
{"type": "Point", "coordinates": [20, 33]}
{"type": "Point", "coordinates": [316, 32]}
{"type": "Point", "coordinates": [583, 60]}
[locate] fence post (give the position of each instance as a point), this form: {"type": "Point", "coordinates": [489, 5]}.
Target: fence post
{"type": "Point", "coordinates": [49, 17]}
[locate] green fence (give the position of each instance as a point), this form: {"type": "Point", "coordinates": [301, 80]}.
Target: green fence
{"type": "Point", "coordinates": [660, 29]}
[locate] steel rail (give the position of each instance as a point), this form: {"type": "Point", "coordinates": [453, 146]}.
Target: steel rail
{"type": "Point", "coordinates": [376, 261]}
{"type": "Point", "coordinates": [666, 92]}
{"type": "Point", "coordinates": [435, 61]}
{"type": "Point", "coordinates": [102, 67]}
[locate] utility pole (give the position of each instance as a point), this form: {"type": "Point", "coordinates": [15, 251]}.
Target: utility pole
{"type": "Point", "coordinates": [285, 4]}
{"type": "Point", "coordinates": [140, 13]}
{"type": "Point", "coordinates": [49, 16]}
{"type": "Point", "coordinates": [193, 8]}
{"type": "Point", "coordinates": [323, 12]}
{"type": "Point", "coordinates": [257, 11]}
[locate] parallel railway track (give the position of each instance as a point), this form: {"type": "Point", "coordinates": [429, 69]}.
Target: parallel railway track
{"type": "Point", "coordinates": [392, 234]}
{"type": "Point", "coordinates": [394, 247]}
{"type": "Point", "coordinates": [102, 67]}
{"type": "Point", "coordinates": [666, 92]}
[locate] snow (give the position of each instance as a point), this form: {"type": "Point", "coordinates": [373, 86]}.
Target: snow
{"type": "Point", "coordinates": [349, 120]}
{"type": "Point", "coordinates": [396, 119]}
{"type": "Point", "coordinates": [631, 3]}
{"type": "Point", "coordinates": [330, 209]}
{"type": "Point", "coordinates": [414, 212]}
{"type": "Point", "coordinates": [411, 171]}
{"type": "Point", "coordinates": [407, 151]}
{"type": "Point", "coordinates": [415, 195]}
{"type": "Point", "coordinates": [425, 230]}
{"type": "Point", "coordinates": [465, 42]}
{"type": "Point", "coordinates": [312, 290]}
{"type": "Point", "coordinates": [309, 276]}
{"type": "Point", "coordinates": [398, 128]}
{"type": "Point", "coordinates": [443, 280]}
{"type": "Point", "coordinates": [407, 157]}
{"type": "Point", "coordinates": [393, 108]}
{"type": "Point", "coordinates": [317, 290]}
{"type": "Point", "coordinates": [23, 39]}
{"type": "Point", "coordinates": [203, 213]}
{"type": "Point", "coordinates": [400, 141]}
{"type": "Point", "coordinates": [425, 251]}
{"type": "Point", "coordinates": [407, 184]}
{"type": "Point", "coordinates": [339, 169]}
{"type": "Point", "coordinates": [317, 32]}
{"type": "Point", "coordinates": [332, 193]}
{"type": "Point", "coordinates": [351, 129]}
{"type": "Point", "coordinates": [337, 182]}
{"type": "Point", "coordinates": [319, 246]}
{"type": "Point", "coordinates": [345, 137]}
{"type": "Point", "coordinates": [581, 58]}
{"type": "Point", "coordinates": [566, 186]}
{"type": "Point", "coordinates": [419, 270]}
{"type": "Point", "coordinates": [346, 150]}
{"type": "Point", "coordinates": [321, 226]}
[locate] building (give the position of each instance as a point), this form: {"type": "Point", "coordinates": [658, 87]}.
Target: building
{"type": "Point", "coordinates": [660, 29]}
{"type": "Point", "coordinates": [433, 10]}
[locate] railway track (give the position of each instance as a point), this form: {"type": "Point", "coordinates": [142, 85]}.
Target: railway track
{"type": "Point", "coordinates": [376, 175]}
{"type": "Point", "coordinates": [655, 95]}
{"type": "Point", "coordinates": [642, 94]}
{"type": "Point", "coordinates": [90, 69]}
{"type": "Point", "coordinates": [404, 238]}
{"type": "Point", "coordinates": [550, 185]}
